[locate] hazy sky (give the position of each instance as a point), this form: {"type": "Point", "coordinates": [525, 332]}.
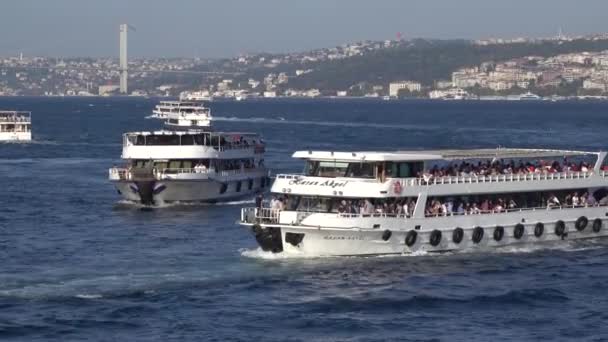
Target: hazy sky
{"type": "Point", "coordinates": [201, 28]}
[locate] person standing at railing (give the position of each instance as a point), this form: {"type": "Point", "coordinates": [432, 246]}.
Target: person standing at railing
{"type": "Point", "coordinates": [259, 201]}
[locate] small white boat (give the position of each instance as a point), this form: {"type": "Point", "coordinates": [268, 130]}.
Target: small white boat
{"type": "Point", "coordinates": [15, 126]}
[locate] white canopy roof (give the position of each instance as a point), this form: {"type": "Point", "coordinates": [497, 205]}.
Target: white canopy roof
{"type": "Point", "coordinates": [507, 153]}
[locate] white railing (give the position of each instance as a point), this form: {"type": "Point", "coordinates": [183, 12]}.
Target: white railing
{"type": "Point", "coordinates": [260, 215]}
{"type": "Point", "coordinates": [353, 215]}
{"type": "Point", "coordinates": [125, 174]}
{"type": "Point", "coordinates": [288, 176]}
{"type": "Point", "coordinates": [497, 178]}
{"type": "Point", "coordinates": [514, 177]}
{"type": "Point", "coordinates": [116, 173]}
{"type": "Point", "coordinates": [516, 210]}
{"type": "Point", "coordinates": [268, 215]}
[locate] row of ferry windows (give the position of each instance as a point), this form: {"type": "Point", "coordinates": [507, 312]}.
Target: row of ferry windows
{"type": "Point", "coordinates": [186, 139]}
{"type": "Point", "coordinates": [363, 170]}
{"type": "Point", "coordinates": [215, 164]}
{"type": "Point", "coordinates": [446, 168]}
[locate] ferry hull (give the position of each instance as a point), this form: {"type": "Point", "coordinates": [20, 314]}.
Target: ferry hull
{"type": "Point", "coordinates": [171, 191]}
{"type": "Point", "coordinates": [332, 241]}
{"type": "Point", "coordinates": [15, 136]}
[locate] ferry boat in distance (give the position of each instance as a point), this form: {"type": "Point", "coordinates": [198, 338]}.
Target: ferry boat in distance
{"type": "Point", "coordinates": [15, 126]}
{"type": "Point", "coordinates": [190, 162]}
{"type": "Point", "coordinates": [372, 203]}
{"type": "Point", "coordinates": [200, 95]}
{"type": "Point", "coordinates": [178, 108]}
{"type": "Point", "coordinates": [529, 97]}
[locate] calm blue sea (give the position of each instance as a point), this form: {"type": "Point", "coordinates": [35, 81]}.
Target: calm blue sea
{"type": "Point", "coordinates": [75, 264]}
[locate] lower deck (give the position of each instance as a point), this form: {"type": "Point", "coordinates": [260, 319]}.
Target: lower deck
{"type": "Point", "coordinates": [320, 235]}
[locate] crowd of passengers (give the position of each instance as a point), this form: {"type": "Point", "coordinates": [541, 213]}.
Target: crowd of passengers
{"type": "Point", "coordinates": [464, 206]}
{"type": "Point", "coordinates": [500, 167]}
{"type": "Point", "coordinates": [389, 206]}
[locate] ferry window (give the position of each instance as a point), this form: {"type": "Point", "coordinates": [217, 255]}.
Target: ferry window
{"type": "Point", "coordinates": [187, 164]}
{"type": "Point", "coordinates": [141, 140]}
{"type": "Point", "coordinates": [162, 140]}
{"type": "Point", "coordinates": [332, 169]}
{"type": "Point", "coordinates": [318, 204]}
{"type": "Point", "coordinates": [360, 170]}
{"type": "Point", "coordinates": [174, 164]}
{"type": "Point", "coordinates": [187, 139]}
{"type": "Point", "coordinates": [310, 169]}
{"type": "Point", "coordinates": [160, 165]}
{"type": "Point", "coordinates": [407, 169]}
{"type": "Point", "coordinates": [199, 139]}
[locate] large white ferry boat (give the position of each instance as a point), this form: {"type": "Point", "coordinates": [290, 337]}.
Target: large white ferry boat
{"type": "Point", "coordinates": [15, 126]}
{"type": "Point", "coordinates": [370, 203]}
{"type": "Point", "coordinates": [189, 162]}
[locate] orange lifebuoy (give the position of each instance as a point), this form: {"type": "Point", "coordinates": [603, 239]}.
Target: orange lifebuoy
{"type": "Point", "coordinates": [397, 187]}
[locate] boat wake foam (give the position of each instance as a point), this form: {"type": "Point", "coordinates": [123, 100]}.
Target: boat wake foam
{"type": "Point", "coordinates": [567, 246]}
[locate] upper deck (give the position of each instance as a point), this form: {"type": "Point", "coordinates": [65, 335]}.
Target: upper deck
{"type": "Point", "coordinates": [15, 117]}
{"type": "Point", "coordinates": [191, 144]}
{"type": "Point", "coordinates": [443, 172]}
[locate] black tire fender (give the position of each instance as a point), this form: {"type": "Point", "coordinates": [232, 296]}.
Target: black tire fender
{"type": "Point", "coordinates": [457, 235]}
{"type": "Point", "coordinates": [435, 238]}
{"type": "Point", "coordinates": [477, 234]}
{"type": "Point", "coordinates": [518, 231]}
{"type": "Point", "coordinates": [410, 238]}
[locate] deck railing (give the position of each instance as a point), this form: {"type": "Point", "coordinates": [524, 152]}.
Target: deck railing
{"type": "Point", "coordinates": [260, 215]}
{"type": "Point", "coordinates": [268, 215]}
{"type": "Point", "coordinates": [513, 177]}
{"type": "Point", "coordinates": [446, 180]}
{"type": "Point", "coordinates": [516, 210]}
{"type": "Point", "coordinates": [116, 173]}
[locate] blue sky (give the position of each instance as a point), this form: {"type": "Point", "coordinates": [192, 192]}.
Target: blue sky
{"type": "Point", "coordinates": [200, 28]}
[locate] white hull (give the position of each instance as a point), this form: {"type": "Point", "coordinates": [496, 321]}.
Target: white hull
{"type": "Point", "coordinates": [171, 191]}
{"type": "Point", "coordinates": [323, 240]}
{"type": "Point", "coordinates": [15, 136]}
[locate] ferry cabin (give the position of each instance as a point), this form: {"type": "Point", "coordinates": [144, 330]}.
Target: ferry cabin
{"type": "Point", "coordinates": [379, 199]}
{"type": "Point", "coordinates": [15, 126]}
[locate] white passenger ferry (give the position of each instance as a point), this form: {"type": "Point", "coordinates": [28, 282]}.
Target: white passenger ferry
{"type": "Point", "coordinates": [370, 203]}
{"type": "Point", "coordinates": [15, 126]}
{"type": "Point", "coordinates": [189, 162]}
{"type": "Point", "coordinates": [175, 108]}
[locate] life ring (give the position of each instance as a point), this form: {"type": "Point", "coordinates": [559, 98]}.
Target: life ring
{"type": "Point", "coordinates": [397, 187]}
{"type": "Point", "coordinates": [560, 228]}
{"type": "Point", "coordinates": [581, 223]}
{"type": "Point", "coordinates": [597, 225]}
{"type": "Point", "coordinates": [499, 232]}
{"type": "Point", "coordinates": [457, 235]}
{"type": "Point", "coordinates": [518, 231]}
{"type": "Point", "coordinates": [435, 238]}
{"type": "Point", "coordinates": [539, 229]}
{"type": "Point", "coordinates": [410, 238]}
{"type": "Point", "coordinates": [477, 234]}
{"type": "Point", "coordinates": [386, 235]}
